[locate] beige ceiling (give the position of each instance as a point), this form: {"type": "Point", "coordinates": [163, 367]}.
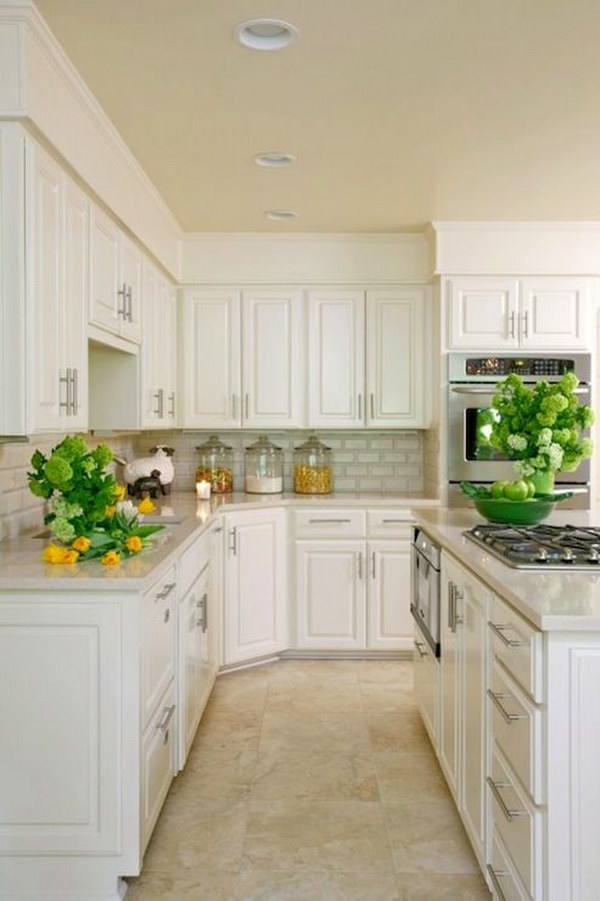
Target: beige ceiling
{"type": "Point", "coordinates": [399, 111]}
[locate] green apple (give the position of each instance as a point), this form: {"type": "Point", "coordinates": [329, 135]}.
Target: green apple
{"type": "Point", "coordinates": [497, 489]}
{"type": "Point", "coordinates": [517, 490]}
{"type": "Point", "coordinates": [530, 488]}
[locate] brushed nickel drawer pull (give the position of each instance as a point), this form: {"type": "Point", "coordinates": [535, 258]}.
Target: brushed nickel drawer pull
{"type": "Point", "coordinates": [166, 591]}
{"type": "Point", "coordinates": [510, 718]}
{"type": "Point", "coordinates": [164, 723]}
{"type": "Point", "coordinates": [419, 645]}
{"type": "Point", "coordinates": [311, 521]}
{"type": "Point", "coordinates": [496, 875]}
{"type": "Point", "coordinates": [499, 629]}
{"type": "Point", "coordinates": [508, 813]}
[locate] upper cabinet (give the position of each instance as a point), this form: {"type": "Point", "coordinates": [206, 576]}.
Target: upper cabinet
{"type": "Point", "coordinates": [243, 359]}
{"type": "Point", "coordinates": [545, 312]}
{"type": "Point", "coordinates": [159, 351]}
{"type": "Point", "coordinates": [115, 279]}
{"type": "Point", "coordinates": [367, 358]}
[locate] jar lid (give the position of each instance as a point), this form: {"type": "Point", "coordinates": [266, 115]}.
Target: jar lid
{"type": "Point", "coordinates": [312, 443]}
{"type": "Point", "coordinates": [213, 444]}
{"type": "Point", "coordinates": [264, 445]}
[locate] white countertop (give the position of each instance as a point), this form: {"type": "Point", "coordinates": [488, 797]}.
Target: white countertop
{"type": "Point", "coordinates": [21, 567]}
{"type": "Point", "coordinates": [551, 600]}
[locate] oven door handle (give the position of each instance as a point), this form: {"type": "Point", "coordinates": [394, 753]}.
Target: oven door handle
{"type": "Point", "coordinates": [460, 389]}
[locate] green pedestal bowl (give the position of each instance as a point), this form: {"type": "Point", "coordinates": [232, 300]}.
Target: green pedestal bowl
{"type": "Point", "coordinates": [514, 513]}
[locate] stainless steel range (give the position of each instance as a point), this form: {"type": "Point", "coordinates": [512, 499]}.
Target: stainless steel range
{"type": "Point", "coordinates": [541, 547]}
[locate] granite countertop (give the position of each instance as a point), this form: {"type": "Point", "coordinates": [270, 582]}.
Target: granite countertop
{"type": "Point", "coordinates": [550, 600]}
{"type": "Point", "coordinates": [185, 517]}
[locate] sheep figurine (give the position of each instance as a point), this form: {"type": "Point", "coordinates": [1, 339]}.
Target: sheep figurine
{"type": "Point", "coordinates": [159, 462]}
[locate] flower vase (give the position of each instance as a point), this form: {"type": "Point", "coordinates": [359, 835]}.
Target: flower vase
{"type": "Point", "coordinates": [543, 479]}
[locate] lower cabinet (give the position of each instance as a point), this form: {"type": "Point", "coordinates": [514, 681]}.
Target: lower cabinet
{"type": "Point", "coordinates": [426, 675]}
{"type": "Point", "coordinates": [158, 762]}
{"type": "Point", "coordinates": [255, 585]}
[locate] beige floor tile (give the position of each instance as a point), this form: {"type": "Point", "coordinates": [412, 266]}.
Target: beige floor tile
{"type": "Point", "coordinates": [389, 732]}
{"type": "Point", "coordinates": [386, 698]}
{"type": "Point", "coordinates": [207, 885]}
{"type": "Point", "coordinates": [273, 885]}
{"type": "Point", "coordinates": [398, 672]}
{"type": "Point", "coordinates": [420, 887]}
{"type": "Point", "coordinates": [408, 777]}
{"type": "Point", "coordinates": [317, 835]}
{"type": "Point", "coordinates": [429, 838]}
{"type": "Point", "coordinates": [323, 672]}
{"type": "Point", "coordinates": [330, 734]}
{"type": "Point", "coordinates": [314, 774]}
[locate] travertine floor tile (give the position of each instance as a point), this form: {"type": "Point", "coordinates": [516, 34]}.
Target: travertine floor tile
{"type": "Point", "coordinates": [398, 733]}
{"type": "Point", "coordinates": [428, 887]}
{"type": "Point", "coordinates": [408, 777]}
{"type": "Point", "coordinates": [314, 774]}
{"type": "Point", "coordinates": [429, 837]}
{"type": "Point", "coordinates": [206, 885]}
{"type": "Point", "coordinates": [274, 885]}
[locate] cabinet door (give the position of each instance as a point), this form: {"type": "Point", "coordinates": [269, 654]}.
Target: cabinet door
{"type": "Point", "coordinates": [158, 655]}
{"type": "Point", "coordinates": [255, 585]}
{"type": "Point", "coordinates": [336, 359]}
{"type": "Point", "coordinates": [389, 617]}
{"type": "Point", "coordinates": [331, 579]}
{"type": "Point", "coordinates": [449, 674]}
{"type": "Point", "coordinates": [555, 313]}
{"type": "Point", "coordinates": [153, 392]}
{"type": "Point", "coordinates": [106, 304]}
{"type": "Point", "coordinates": [212, 372]}
{"type": "Point", "coordinates": [130, 282]}
{"type": "Point", "coordinates": [169, 353]}
{"type": "Point", "coordinates": [76, 286]}
{"type": "Point", "coordinates": [427, 684]}
{"type": "Point", "coordinates": [482, 313]}
{"type": "Point", "coordinates": [158, 762]}
{"type": "Point", "coordinates": [396, 359]}
{"type": "Point", "coordinates": [196, 673]}
{"type": "Point", "coordinates": [47, 373]}
{"type": "Point", "coordinates": [272, 355]}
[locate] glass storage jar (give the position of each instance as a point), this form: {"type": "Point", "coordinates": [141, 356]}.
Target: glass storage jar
{"type": "Point", "coordinates": [215, 465]}
{"type": "Point", "coordinates": [312, 468]}
{"type": "Point", "coordinates": [263, 467]}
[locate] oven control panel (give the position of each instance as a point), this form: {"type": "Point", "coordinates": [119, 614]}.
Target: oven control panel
{"type": "Point", "coordinates": [526, 366]}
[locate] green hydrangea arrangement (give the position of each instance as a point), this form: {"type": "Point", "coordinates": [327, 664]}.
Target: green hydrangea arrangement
{"type": "Point", "coordinates": [540, 427]}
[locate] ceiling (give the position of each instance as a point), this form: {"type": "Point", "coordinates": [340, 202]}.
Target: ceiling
{"type": "Point", "coordinates": [398, 111]}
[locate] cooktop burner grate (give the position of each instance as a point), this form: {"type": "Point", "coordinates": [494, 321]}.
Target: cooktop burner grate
{"type": "Point", "coordinates": [542, 546]}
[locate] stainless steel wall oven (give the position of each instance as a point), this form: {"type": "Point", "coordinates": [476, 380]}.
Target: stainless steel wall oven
{"type": "Point", "coordinates": [471, 382]}
{"type": "Point", "coordinates": [425, 587]}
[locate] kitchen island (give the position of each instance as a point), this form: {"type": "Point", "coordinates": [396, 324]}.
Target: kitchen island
{"type": "Point", "coordinates": [512, 710]}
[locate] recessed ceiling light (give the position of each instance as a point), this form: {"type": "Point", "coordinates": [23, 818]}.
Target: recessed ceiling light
{"type": "Point", "coordinates": [266, 34]}
{"type": "Point", "coordinates": [273, 159]}
{"type": "Point", "coordinates": [281, 215]}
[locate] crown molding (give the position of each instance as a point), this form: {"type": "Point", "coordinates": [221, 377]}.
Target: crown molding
{"type": "Point", "coordinates": [325, 237]}
{"type": "Point", "coordinates": [516, 226]}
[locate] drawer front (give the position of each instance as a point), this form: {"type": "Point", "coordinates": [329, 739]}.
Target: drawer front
{"type": "Point", "coordinates": [320, 522]}
{"type": "Point", "coordinates": [193, 562]}
{"type": "Point", "coordinates": [518, 823]}
{"type": "Point", "coordinates": [517, 729]}
{"type": "Point", "coordinates": [502, 876]}
{"type": "Point", "coordinates": [158, 652]}
{"type": "Point", "coordinates": [518, 646]}
{"type": "Point", "coordinates": [390, 524]}
{"type": "Point", "coordinates": [158, 761]}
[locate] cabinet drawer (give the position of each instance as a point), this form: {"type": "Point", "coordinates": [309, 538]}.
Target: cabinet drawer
{"type": "Point", "coordinates": [193, 562]}
{"type": "Point", "coordinates": [325, 523]}
{"type": "Point", "coordinates": [518, 646]}
{"type": "Point", "coordinates": [502, 875]}
{"type": "Point", "coordinates": [518, 823]}
{"type": "Point", "coordinates": [158, 653]}
{"type": "Point", "coordinates": [517, 729]}
{"type": "Point", "coordinates": [158, 761]}
{"type": "Point", "coordinates": [390, 524]}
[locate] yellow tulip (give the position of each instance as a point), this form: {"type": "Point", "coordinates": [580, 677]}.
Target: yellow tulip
{"type": "Point", "coordinates": [55, 554]}
{"type": "Point", "coordinates": [134, 544]}
{"type": "Point", "coordinates": [120, 492]}
{"type": "Point", "coordinates": [146, 506]}
{"type": "Point", "coordinates": [82, 544]}
{"type": "Point", "coordinates": [110, 511]}
{"type": "Point", "coordinates": [111, 558]}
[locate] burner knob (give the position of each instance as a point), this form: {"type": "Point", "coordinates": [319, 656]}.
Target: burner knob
{"type": "Point", "coordinates": [593, 556]}
{"type": "Point", "coordinates": [542, 555]}
{"type": "Point", "coordinates": [567, 555]}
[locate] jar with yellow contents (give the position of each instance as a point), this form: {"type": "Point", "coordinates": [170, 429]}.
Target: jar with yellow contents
{"type": "Point", "coordinates": [215, 465]}
{"type": "Point", "coordinates": [312, 468]}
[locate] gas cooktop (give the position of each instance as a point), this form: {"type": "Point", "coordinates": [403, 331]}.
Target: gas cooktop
{"type": "Point", "coordinates": [541, 547]}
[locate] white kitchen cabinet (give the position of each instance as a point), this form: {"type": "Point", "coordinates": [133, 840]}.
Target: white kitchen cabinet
{"type": "Point", "coordinates": [549, 313]}
{"type": "Point", "coordinates": [336, 359]}
{"type": "Point", "coordinates": [196, 670]}
{"type": "Point", "coordinates": [115, 279]}
{"type": "Point", "coordinates": [57, 244]}
{"type": "Point", "coordinates": [463, 684]}
{"type": "Point", "coordinates": [426, 677]}
{"type": "Point", "coordinates": [159, 351]}
{"type": "Point", "coordinates": [158, 762]}
{"type": "Point", "coordinates": [243, 358]}
{"type": "Point", "coordinates": [389, 622]}
{"type": "Point", "coordinates": [255, 573]}
{"type": "Point", "coordinates": [158, 650]}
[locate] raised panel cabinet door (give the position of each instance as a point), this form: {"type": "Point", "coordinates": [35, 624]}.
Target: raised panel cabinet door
{"type": "Point", "coordinates": [336, 359]}
{"type": "Point", "coordinates": [389, 617]}
{"type": "Point", "coordinates": [427, 684]}
{"type": "Point", "coordinates": [158, 762]}
{"type": "Point", "coordinates": [76, 287]}
{"type": "Point", "coordinates": [450, 673]}
{"type": "Point", "coordinates": [196, 673]}
{"type": "Point", "coordinates": [153, 401]}
{"type": "Point", "coordinates": [331, 594]}
{"type": "Point", "coordinates": [212, 364]}
{"type": "Point", "coordinates": [169, 353]}
{"type": "Point", "coordinates": [45, 245]}
{"type": "Point", "coordinates": [158, 654]}
{"type": "Point", "coordinates": [272, 355]}
{"type": "Point", "coordinates": [106, 304]}
{"type": "Point", "coordinates": [255, 585]}
{"type": "Point", "coordinates": [555, 313]}
{"type": "Point", "coordinates": [396, 358]}
{"type": "Point", "coordinates": [482, 313]}
{"type": "Point", "coordinates": [130, 283]}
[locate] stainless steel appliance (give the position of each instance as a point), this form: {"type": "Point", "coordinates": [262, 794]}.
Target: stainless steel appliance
{"type": "Point", "coordinates": [425, 587]}
{"type": "Point", "coordinates": [471, 382]}
{"type": "Point", "coordinates": [542, 546]}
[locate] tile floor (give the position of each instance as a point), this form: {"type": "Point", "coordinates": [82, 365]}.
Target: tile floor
{"type": "Point", "coordinates": [310, 780]}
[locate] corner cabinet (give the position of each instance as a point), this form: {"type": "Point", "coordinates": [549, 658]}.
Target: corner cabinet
{"type": "Point", "coordinates": [545, 313]}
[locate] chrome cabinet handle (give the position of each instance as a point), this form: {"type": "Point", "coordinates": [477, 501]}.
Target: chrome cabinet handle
{"type": "Point", "coordinates": [233, 406]}
{"type": "Point", "coordinates": [499, 629]}
{"type": "Point", "coordinates": [167, 615]}
{"type": "Point", "coordinates": [372, 402]}
{"type": "Point", "coordinates": [129, 300]}
{"type": "Point", "coordinates": [511, 326]}
{"type": "Point", "coordinates": [168, 588]}
{"type": "Point", "coordinates": [526, 324]}
{"type": "Point", "coordinates": [419, 645]}
{"type": "Point", "coordinates": [510, 718]}
{"type": "Point", "coordinates": [247, 399]}
{"type": "Point", "coordinates": [202, 622]}
{"type": "Point", "coordinates": [405, 521]}
{"type": "Point", "coordinates": [360, 565]}
{"type": "Point", "coordinates": [451, 605]}
{"type": "Point", "coordinates": [495, 876]}
{"type": "Point", "coordinates": [328, 520]}
{"type": "Point", "coordinates": [163, 726]}
{"type": "Point", "coordinates": [373, 566]}
{"type": "Point", "coordinates": [160, 403]}
{"type": "Point", "coordinates": [65, 380]}
{"type": "Point", "coordinates": [122, 310]}
{"type": "Point", "coordinates": [74, 391]}
{"type": "Point", "coordinates": [233, 537]}
{"type": "Point", "coordinates": [458, 596]}
{"type": "Point", "coordinates": [172, 404]}
{"type": "Point", "coordinates": [360, 406]}
{"type": "Point", "coordinates": [495, 788]}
